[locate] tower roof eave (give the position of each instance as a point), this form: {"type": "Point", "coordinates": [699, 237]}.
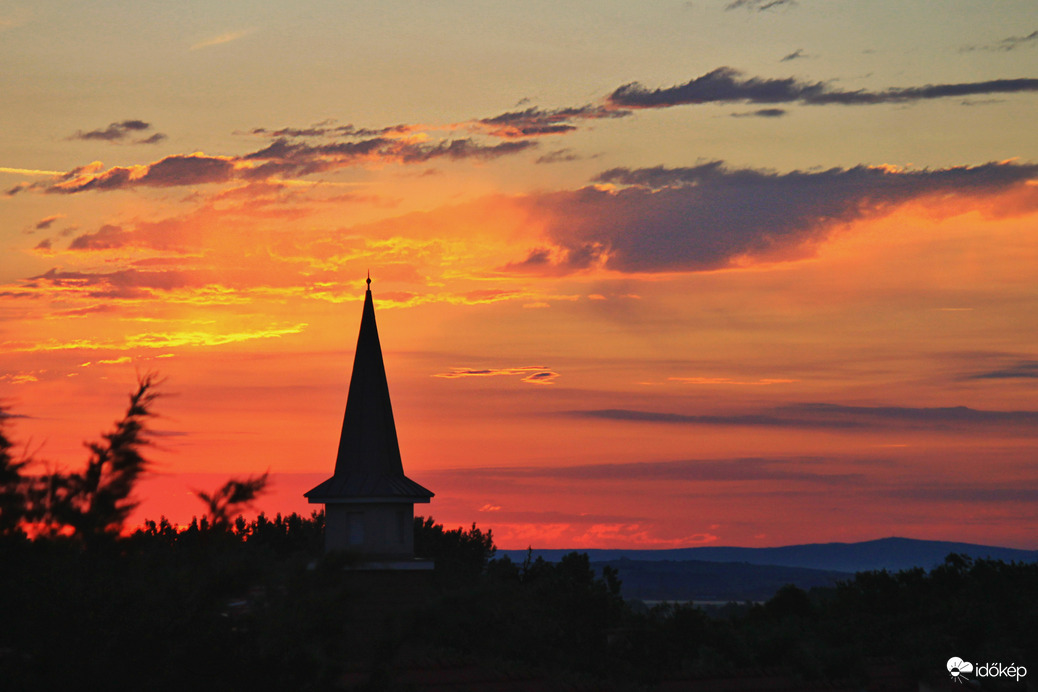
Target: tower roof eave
{"type": "Point", "coordinates": [358, 488]}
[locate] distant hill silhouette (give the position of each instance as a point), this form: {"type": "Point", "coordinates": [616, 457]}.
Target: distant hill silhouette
{"type": "Point", "coordinates": [698, 580]}
{"type": "Point", "coordinates": [755, 574]}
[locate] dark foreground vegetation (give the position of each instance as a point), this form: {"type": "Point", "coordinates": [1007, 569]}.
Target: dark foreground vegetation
{"type": "Point", "coordinates": [230, 604]}
{"type": "Point", "coordinates": [255, 605]}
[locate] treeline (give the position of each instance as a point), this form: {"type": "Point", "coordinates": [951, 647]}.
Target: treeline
{"type": "Point", "coordinates": [226, 603]}
{"type": "Point", "coordinates": [256, 603]}
{"type": "Point", "coordinates": [567, 618]}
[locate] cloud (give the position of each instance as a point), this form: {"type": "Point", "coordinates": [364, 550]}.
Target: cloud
{"type": "Point", "coordinates": [727, 85]}
{"type": "Point", "coordinates": [767, 419]}
{"type": "Point", "coordinates": [558, 156]}
{"type": "Point", "coordinates": [535, 122]}
{"type": "Point", "coordinates": [169, 339]}
{"type": "Point", "coordinates": [328, 128]}
{"type": "Point", "coordinates": [28, 171]}
{"type": "Point", "coordinates": [172, 171]}
{"type": "Point", "coordinates": [729, 381]}
{"type": "Point", "coordinates": [285, 157]}
{"type": "Point", "coordinates": [969, 493]}
{"type": "Point", "coordinates": [1007, 44]}
{"type": "Point", "coordinates": [1024, 369]}
{"type": "Point", "coordinates": [222, 38]}
{"type": "Point", "coordinates": [762, 113]}
{"type": "Point", "coordinates": [834, 416]}
{"type": "Point", "coordinates": [282, 158]}
{"type": "Point", "coordinates": [532, 374]}
{"type": "Point", "coordinates": [807, 469]}
{"type": "Point", "coordinates": [105, 238]}
{"type": "Point", "coordinates": [46, 222]}
{"type": "Point", "coordinates": [709, 216]}
{"type": "Point", "coordinates": [758, 5]}
{"type": "Point", "coordinates": [795, 55]}
{"type": "Point", "coordinates": [119, 132]}
{"type": "Point", "coordinates": [126, 283]}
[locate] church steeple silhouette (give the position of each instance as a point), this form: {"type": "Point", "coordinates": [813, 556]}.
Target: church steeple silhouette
{"type": "Point", "coordinates": [369, 502]}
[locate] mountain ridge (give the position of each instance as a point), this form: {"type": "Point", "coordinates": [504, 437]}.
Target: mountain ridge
{"type": "Point", "coordinates": [892, 553]}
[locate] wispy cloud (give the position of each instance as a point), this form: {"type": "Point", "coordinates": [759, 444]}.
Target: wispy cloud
{"type": "Point", "coordinates": [535, 122]}
{"type": "Point", "coordinates": [48, 221]}
{"type": "Point", "coordinates": [1007, 44]}
{"type": "Point", "coordinates": [531, 374]}
{"type": "Point", "coordinates": [758, 5]}
{"type": "Point", "coordinates": [1024, 369]}
{"type": "Point", "coordinates": [149, 340]}
{"type": "Point", "coordinates": [221, 39]}
{"type": "Point", "coordinates": [559, 156]}
{"type": "Point", "coordinates": [762, 113]}
{"type": "Point", "coordinates": [806, 469]}
{"type": "Point", "coordinates": [834, 416]}
{"type": "Point", "coordinates": [970, 493]}
{"type": "Point", "coordinates": [728, 85]}
{"type": "Point", "coordinates": [28, 171]}
{"type": "Point", "coordinates": [729, 381]}
{"type": "Point", "coordinates": [120, 132]}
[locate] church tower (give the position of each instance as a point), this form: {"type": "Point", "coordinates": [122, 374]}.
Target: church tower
{"type": "Point", "coordinates": [369, 502]}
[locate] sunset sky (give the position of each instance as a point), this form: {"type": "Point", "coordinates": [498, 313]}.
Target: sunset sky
{"type": "Point", "coordinates": [646, 274]}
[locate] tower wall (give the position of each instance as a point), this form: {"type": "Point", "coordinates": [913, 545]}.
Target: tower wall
{"type": "Point", "coordinates": [377, 530]}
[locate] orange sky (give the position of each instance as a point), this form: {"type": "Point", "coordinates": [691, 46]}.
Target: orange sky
{"type": "Point", "coordinates": [772, 285]}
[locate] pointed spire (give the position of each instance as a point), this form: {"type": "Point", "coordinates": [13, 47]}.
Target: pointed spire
{"type": "Point", "coordinates": [368, 461]}
{"type": "Point", "coordinates": [368, 442]}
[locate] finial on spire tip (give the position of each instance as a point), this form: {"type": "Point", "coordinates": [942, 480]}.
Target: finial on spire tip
{"type": "Point", "coordinates": [369, 279]}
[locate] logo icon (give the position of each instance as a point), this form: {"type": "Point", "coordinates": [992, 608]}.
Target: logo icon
{"type": "Point", "coordinates": [957, 668]}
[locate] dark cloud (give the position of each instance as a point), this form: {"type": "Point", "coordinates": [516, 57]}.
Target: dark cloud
{"type": "Point", "coordinates": [285, 157]}
{"type": "Point", "coordinates": [44, 245]}
{"type": "Point", "coordinates": [968, 493]}
{"type": "Point", "coordinates": [120, 132]}
{"type": "Point", "coordinates": [329, 129]}
{"type": "Point", "coordinates": [758, 5]}
{"type": "Point", "coordinates": [795, 55]}
{"type": "Point", "coordinates": [806, 469]}
{"type": "Point", "coordinates": [127, 283]}
{"type": "Point", "coordinates": [105, 238]}
{"type": "Point", "coordinates": [538, 259]}
{"type": "Point", "coordinates": [768, 419]}
{"type": "Point", "coordinates": [762, 113]}
{"type": "Point", "coordinates": [153, 139]}
{"type": "Point", "coordinates": [1025, 369]}
{"type": "Point", "coordinates": [558, 156]}
{"type": "Point", "coordinates": [835, 416]}
{"type": "Point", "coordinates": [534, 122]}
{"type": "Point", "coordinates": [83, 312]}
{"type": "Point", "coordinates": [282, 157]}
{"type": "Point", "coordinates": [1007, 44]}
{"type": "Point", "coordinates": [172, 171]}
{"type": "Point", "coordinates": [941, 417]}
{"type": "Point", "coordinates": [727, 85]}
{"type": "Point", "coordinates": [194, 169]}
{"type": "Point", "coordinates": [45, 223]}
{"type": "Point", "coordinates": [710, 216]}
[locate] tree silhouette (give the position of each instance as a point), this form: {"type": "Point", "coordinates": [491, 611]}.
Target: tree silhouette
{"type": "Point", "coordinates": [231, 498]}
{"type": "Point", "coordinates": [97, 501]}
{"type": "Point", "coordinates": [12, 483]}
